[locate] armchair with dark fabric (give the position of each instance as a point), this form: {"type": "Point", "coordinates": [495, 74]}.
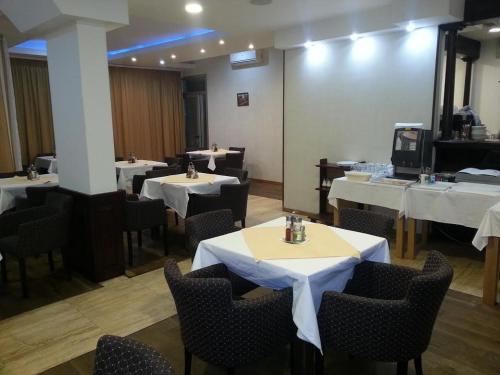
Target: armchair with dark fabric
{"type": "Point", "coordinates": [201, 165]}
{"type": "Point", "coordinates": [240, 149]}
{"type": "Point", "coordinates": [35, 196]}
{"type": "Point", "coordinates": [234, 160]}
{"type": "Point", "coordinates": [35, 231]}
{"type": "Point", "coordinates": [386, 313]}
{"type": "Point", "coordinates": [173, 160]}
{"type": "Point", "coordinates": [232, 196]}
{"type": "Point", "coordinates": [221, 330]}
{"type": "Point", "coordinates": [164, 171]}
{"type": "Point", "coordinates": [117, 355]}
{"type": "Point", "coordinates": [140, 215]}
{"type": "Point", "coordinates": [367, 222]}
{"type": "Point", "coordinates": [13, 174]}
{"type": "Point", "coordinates": [240, 174]}
{"type": "Point", "coordinates": [137, 182]}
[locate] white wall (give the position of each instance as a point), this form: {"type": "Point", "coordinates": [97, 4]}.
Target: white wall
{"type": "Point", "coordinates": [343, 98]}
{"type": "Point", "coordinates": [258, 127]}
{"type": "Point", "coordinates": [485, 98]}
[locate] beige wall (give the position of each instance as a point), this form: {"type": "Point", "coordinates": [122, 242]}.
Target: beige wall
{"type": "Point", "coordinates": [258, 127]}
{"type": "Point", "coordinates": [343, 98]}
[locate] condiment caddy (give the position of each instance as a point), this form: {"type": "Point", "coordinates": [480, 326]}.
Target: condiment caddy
{"type": "Point", "coordinates": [33, 173]}
{"type": "Point", "coordinates": [132, 158]}
{"type": "Point", "coordinates": [295, 230]}
{"type": "Point", "coordinates": [191, 171]}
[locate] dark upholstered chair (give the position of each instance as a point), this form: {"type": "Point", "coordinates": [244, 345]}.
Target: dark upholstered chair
{"type": "Point", "coordinates": [234, 160]}
{"type": "Point", "coordinates": [221, 330]}
{"type": "Point", "coordinates": [367, 222]}
{"type": "Point", "coordinates": [12, 174]}
{"type": "Point", "coordinates": [117, 355]}
{"type": "Point", "coordinates": [240, 174]}
{"type": "Point", "coordinates": [240, 149]}
{"type": "Point", "coordinates": [173, 160]}
{"type": "Point", "coordinates": [140, 215]}
{"type": "Point", "coordinates": [164, 171]}
{"type": "Point", "coordinates": [234, 197]}
{"type": "Point", "coordinates": [201, 165]}
{"type": "Point", "coordinates": [35, 231]}
{"type": "Point", "coordinates": [119, 158]}
{"type": "Point", "coordinates": [137, 182]}
{"type": "Point", "coordinates": [386, 313]}
{"type": "Point", "coordinates": [207, 225]}
{"type": "Point", "coordinates": [35, 196]}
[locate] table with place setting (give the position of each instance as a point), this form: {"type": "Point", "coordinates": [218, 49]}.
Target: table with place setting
{"type": "Point", "coordinates": [126, 171]}
{"type": "Point", "coordinates": [175, 189]}
{"type": "Point", "coordinates": [324, 261]}
{"type": "Point", "coordinates": [212, 155]}
{"type": "Point", "coordinates": [13, 187]}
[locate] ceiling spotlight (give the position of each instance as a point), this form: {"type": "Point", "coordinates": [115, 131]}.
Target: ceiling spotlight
{"type": "Point", "coordinates": [133, 59]}
{"type": "Point", "coordinates": [308, 44]}
{"type": "Point", "coordinates": [193, 8]}
{"type": "Point", "coordinates": [494, 30]}
{"type": "Point", "coordinates": [202, 50]}
{"type": "Point", "coordinates": [251, 46]}
{"type": "Point", "coordinates": [354, 36]}
{"type": "Point", "coordinates": [221, 42]}
{"type": "Point", "coordinates": [410, 27]}
{"type": "Point", "coordinates": [173, 57]}
{"type": "Point", "coordinates": [162, 62]}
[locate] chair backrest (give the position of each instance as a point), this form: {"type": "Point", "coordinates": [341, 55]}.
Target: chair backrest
{"type": "Point", "coordinates": [118, 355]}
{"type": "Point", "coordinates": [240, 174]}
{"type": "Point", "coordinates": [201, 165]}
{"type": "Point", "coordinates": [207, 225]}
{"type": "Point", "coordinates": [164, 171]}
{"type": "Point", "coordinates": [235, 197]}
{"type": "Point", "coordinates": [12, 174]}
{"type": "Point", "coordinates": [173, 160]}
{"type": "Point", "coordinates": [37, 194]}
{"type": "Point", "coordinates": [234, 160]}
{"type": "Point", "coordinates": [184, 161]}
{"type": "Point", "coordinates": [60, 202]}
{"type": "Point", "coordinates": [367, 222]}
{"type": "Point", "coordinates": [240, 149]}
{"type": "Point", "coordinates": [137, 182]}
{"type": "Point", "coordinates": [118, 158]}
{"type": "Point", "coordinates": [426, 292]}
{"type": "Point", "coordinates": [143, 214]}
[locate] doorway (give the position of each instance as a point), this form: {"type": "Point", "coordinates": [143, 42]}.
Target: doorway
{"type": "Point", "coordinates": [195, 111]}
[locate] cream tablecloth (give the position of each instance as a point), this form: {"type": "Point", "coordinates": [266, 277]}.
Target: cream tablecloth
{"type": "Point", "coordinates": [126, 171]}
{"type": "Point", "coordinates": [308, 277]}
{"type": "Point", "coordinates": [176, 195]}
{"type": "Point", "coordinates": [212, 155]}
{"type": "Point", "coordinates": [10, 188]}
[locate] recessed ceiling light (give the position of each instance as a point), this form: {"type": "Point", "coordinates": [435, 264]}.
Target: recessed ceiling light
{"type": "Point", "coordinates": [494, 30]}
{"type": "Point", "coordinates": [133, 59]}
{"type": "Point", "coordinates": [410, 27]}
{"type": "Point", "coordinates": [308, 44]}
{"type": "Point", "coordinates": [193, 8]}
{"type": "Point", "coordinates": [251, 46]}
{"type": "Point", "coordinates": [354, 36]}
{"type": "Point", "coordinates": [173, 56]}
{"type": "Point", "coordinates": [221, 42]}
{"type": "Point", "coordinates": [162, 62]}
{"type": "Point", "coordinates": [202, 50]}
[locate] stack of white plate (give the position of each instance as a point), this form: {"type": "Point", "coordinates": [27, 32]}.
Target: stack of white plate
{"type": "Point", "coordinates": [478, 133]}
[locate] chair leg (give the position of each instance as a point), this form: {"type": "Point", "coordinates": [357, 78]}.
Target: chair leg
{"type": "Point", "coordinates": [165, 242]}
{"type": "Point", "coordinates": [403, 368]}
{"type": "Point", "coordinates": [187, 362]}
{"type": "Point", "coordinates": [418, 365]}
{"type": "Point", "coordinates": [243, 223]}
{"type": "Point", "coordinates": [319, 362]}
{"type": "Point", "coordinates": [3, 263]}
{"type": "Point", "coordinates": [130, 249]}
{"type": "Point", "coordinates": [66, 262]}
{"type": "Point", "coordinates": [51, 261]}
{"type": "Point", "coordinates": [139, 239]}
{"type": "Point", "coordinates": [176, 218]}
{"type": "Point", "coordinates": [22, 273]}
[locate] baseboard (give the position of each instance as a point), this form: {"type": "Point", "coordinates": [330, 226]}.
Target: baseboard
{"type": "Point", "coordinates": [299, 212]}
{"type": "Point", "coordinates": [267, 181]}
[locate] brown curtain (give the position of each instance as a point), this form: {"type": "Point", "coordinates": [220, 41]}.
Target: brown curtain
{"type": "Point", "coordinates": [6, 155]}
{"type": "Point", "coordinates": [33, 107]}
{"type": "Point", "coordinates": [148, 113]}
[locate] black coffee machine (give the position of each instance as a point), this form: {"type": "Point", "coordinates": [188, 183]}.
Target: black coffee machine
{"type": "Point", "coordinates": [411, 152]}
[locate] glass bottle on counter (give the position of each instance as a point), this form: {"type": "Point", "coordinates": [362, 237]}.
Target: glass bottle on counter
{"type": "Point", "coordinates": [288, 229]}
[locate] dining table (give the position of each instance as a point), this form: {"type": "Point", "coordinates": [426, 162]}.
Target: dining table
{"type": "Point", "coordinates": [175, 189]}
{"type": "Point", "coordinates": [324, 262]}
{"type": "Point", "coordinates": [125, 171]}
{"type": "Point", "coordinates": [212, 155]}
{"type": "Point", "coordinates": [13, 187]}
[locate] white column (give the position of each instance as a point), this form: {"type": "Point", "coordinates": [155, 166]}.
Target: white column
{"type": "Point", "coordinates": [81, 107]}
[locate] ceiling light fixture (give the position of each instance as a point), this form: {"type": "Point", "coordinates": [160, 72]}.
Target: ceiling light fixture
{"type": "Point", "coordinates": [251, 46]}
{"type": "Point", "coordinates": [193, 8]}
{"type": "Point", "coordinates": [354, 36]}
{"type": "Point", "coordinates": [162, 62]}
{"type": "Point", "coordinates": [173, 57]}
{"type": "Point", "coordinates": [494, 30]}
{"type": "Point", "coordinates": [202, 50]}
{"type": "Point", "coordinates": [410, 27]}
{"type": "Point", "coordinates": [133, 59]}
{"type": "Point", "coordinates": [308, 44]}
{"type": "Point", "coordinates": [221, 42]}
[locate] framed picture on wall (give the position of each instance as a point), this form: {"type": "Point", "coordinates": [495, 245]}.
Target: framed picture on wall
{"type": "Point", "coordinates": [242, 99]}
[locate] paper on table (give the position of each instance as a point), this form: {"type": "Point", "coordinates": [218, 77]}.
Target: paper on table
{"type": "Point", "coordinates": [182, 179]}
{"type": "Point", "coordinates": [485, 172]}
{"type": "Point", "coordinates": [322, 242]}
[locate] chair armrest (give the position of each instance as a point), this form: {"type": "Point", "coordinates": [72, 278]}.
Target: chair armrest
{"type": "Point", "coordinates": [44, 234]}
{"type": "Point", "coordinates": [10, 222]}
{"type": "Point", "coordinates": [380, 280]}
{"type": "Point", "coordinates": [215, 271]}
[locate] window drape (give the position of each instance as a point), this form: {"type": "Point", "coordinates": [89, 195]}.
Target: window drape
{"type": "Point", "coordinates": [33, 107]}
{"type": "Point", "coordinates": [148, 112]}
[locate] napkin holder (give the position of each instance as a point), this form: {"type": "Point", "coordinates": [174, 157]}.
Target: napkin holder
{"type": "Point", "coordinates": [132, 158]}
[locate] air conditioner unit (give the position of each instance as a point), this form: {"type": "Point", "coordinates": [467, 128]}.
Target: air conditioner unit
{"type": "Point", "coordinates": [245, 58]}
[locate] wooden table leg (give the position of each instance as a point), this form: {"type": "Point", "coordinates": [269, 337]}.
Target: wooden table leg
{"type": "Point", "coordinates": [425, 232]}
{"type": "Point", "coordinates": [412, 228]}
{"type": "Point", "coordinates": [400, 235]}
{"type": "Point", "coordinates": [491, 268]}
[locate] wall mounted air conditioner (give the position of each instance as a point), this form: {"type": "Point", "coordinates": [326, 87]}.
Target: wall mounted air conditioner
{"type": "Point", "coordinates": [244, 58]}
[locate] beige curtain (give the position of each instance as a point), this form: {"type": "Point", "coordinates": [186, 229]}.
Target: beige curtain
{"type": "Point", "coordinates": [33, 106]}
{"type": "Point", "coordinates": [148, 113]}
{"type": "Point", "coordinates": [6, 152]}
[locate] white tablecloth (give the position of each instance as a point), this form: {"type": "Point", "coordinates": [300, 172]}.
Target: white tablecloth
{"type": "Point", "coordinates": [463, 203]}
{"type": "Point", "coordinates": [489, 227]}
{"type": "Point", "coordinates": [126, 171]}
{"type": "Point", "coordinates": [10, 188]}
{"type": "Point", "coordinates": [176, 196]}
{"type": "Point", "coordinates": [383, 195]}
{"type": "Point", "coordinates": [47, 162]}
{"type": "Point", "coordinates": [212, 155]}
{"type": "Point", "coordinates": [308, 277]}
